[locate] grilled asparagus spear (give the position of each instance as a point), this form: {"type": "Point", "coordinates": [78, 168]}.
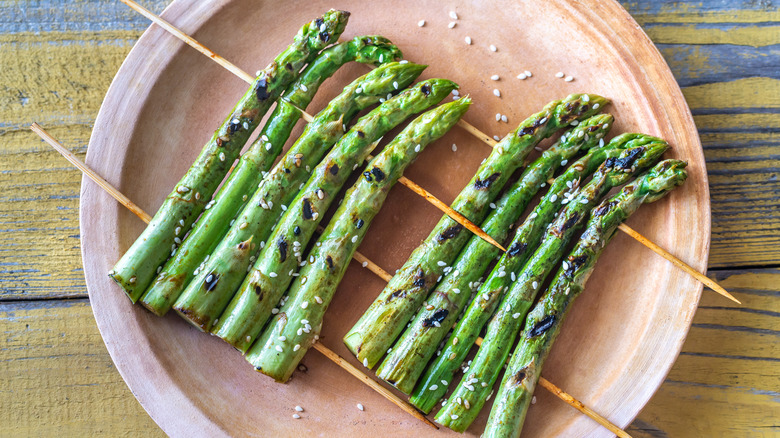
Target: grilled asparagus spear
{"type": "Point", "coordinates": [243, 180]}
{"type": "Point", "coordinates": [383, 321]}
{"type": "Point", "coordinates": [414, 349]}
{"type": "Point", "coordinates": [137, 267]}
{"type": "Point", "coordinates": [276, 265]}
{"type": "Point", "coordinates": [472, 392]}
{"type": "Point", "coordinates": [215, 283]}
{"type": "Point", "coordinates": [296, 327]}
{"type": "Point", "coordinates": [544, 322]}
{"type": "Point", "coordinates": [431, 388]}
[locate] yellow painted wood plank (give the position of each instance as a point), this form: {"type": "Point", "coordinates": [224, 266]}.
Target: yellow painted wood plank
{"type": "Point", "coordinates": [743, 93]}
{"type": "Point", "coordinates": [690, 12]}
{"type": "Point", "coordinates": [680, 410]}
{"type": "Point", "coordinates": [58, 76]}
{"type": "Point", "coordinates": [722, 122]}
{"type": "Point", "coordinates": [57, 379]}
{"type": "Point", "coordinates": [755, 36]}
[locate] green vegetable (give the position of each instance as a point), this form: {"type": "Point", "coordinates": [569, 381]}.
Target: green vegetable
{"type": "Point", "coordinates": [414, 349]}
{"type": "Point", "coordinates": [243, 180]}
{"type": "Point", "coordinates": [137, 268]}
{"type": "Point", "coordinates": [543, 323]}
{"type": "Point", "coordinates": [384, 320]}
{"type": "Point", "coordinates": [297, 326]}
{"type": "Point", "coordinates": [504, 325]}
{"type": "Point", "coordinates": [219, 277]}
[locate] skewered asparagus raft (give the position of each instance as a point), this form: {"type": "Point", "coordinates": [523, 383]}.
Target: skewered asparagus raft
{"type": "Point", "coordinates": [137, 267]}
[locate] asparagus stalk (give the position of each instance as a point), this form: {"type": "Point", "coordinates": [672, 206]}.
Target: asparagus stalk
{"type": "Point", "coordinates": [430, 389]}
{"type": "Point", "coordinates": [137, 267]}
{"type": "Point", "coordinates": [243, 180]}
{"type": "Point", "coordinates": [297, 326]}
{"type": "Point", "coordinates": [217, 280]}
{"type": "Point", "coordinates": [543, 323]}
{"type": "Point", "coordinates": [278, 262]}
{"type": "Point", "coordinates": [414, 349]}
{"type": "Point", "coordinates": [386, 317]}
{"type": "Point", "coordinates": [472, 392]}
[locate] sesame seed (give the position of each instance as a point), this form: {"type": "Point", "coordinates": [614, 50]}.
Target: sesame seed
{"type": "Point", "coordinates": [304, 87]}
{"type": "Point", "coordinates": [299, 409]}
{"type": "Point", "coordinates": [601, 143]}
{"type": "Point", "coordinates": [268, 146]}
{"type": "Point", "coordinates": [522, 76]}
{"type": "Point", "coordinates": [279, 348]}
{"type": "Point", "coordinates": [569, 78]}
{"type": "Point", "coordinates": [297, 347]}
{"type": "Point", "coordinates": [553, 198]}
{"type": "Point", "coordinates": [498, 117]}
{"type": "Point", "coordinates": [429, 307]}
{"type": "Point", "coordinates": [484, 384]}
{"type": "Point", "coordinates": [583, 201]}
{"type": "Point", "coordinates": [454, 416]}
{"type": "Point", "coordinates": [318, 300]}
{"type": "Point", "coordinates": [304, 304]}
{"type": "Point", "coordinates": [534, 285]}
{"type": "Point", "coordinates": [468, 40]}
{"type": "Point", "coordinates": [533, 400]}
{"type": "Point", "coordinates": [496, 138]}
{"type": "Point", "coordinates": [441, 263]}
{"type": "Point", "coordinates": [528, 73]}
{"type": "Point", "coordinates": [453, 15]}
{"type": "Point", "coordinates": [496, 92]}
{"type": "Point", "coordinates": [365, 362]}
{"type": "Point", "coordinates": [513, 276]}
{"type": "Point", "coordinates": [434, 387]}
{"type": "Point", "coordinates": [354, 238]}
{"type": "Point", "coordinates": [495, 77]}
{"type": "Point", "coordinates": [296, 416]}
{"type": "Point", "coordinates": [360, 406]}
{"type": "Point", "coordinates": [272, 274]}
{"type": "Point", "coordinates": [403, 62]}
{"type": "Point", "coordinates": [454, 147]}
{"type": "Point", "coordinates": [456, 290]}
{"type": "Point", "coordinates": [221, 156]}
{"type": "Point", "coordinates": [504, 118]}
{"type": "Point", "coordinates": [417, 148]}
{"type": "Point", "coordinates": [183, 189]}
{"type": "Point", "coordinates": [516, 315]}
{"type": "Point", "coordinates": [493, 48]}
{"type": "Point", "coordinates": [358, 90]}
{"type": "Point", "coordinates": [574, 122]}
{"type": "Point", "coordinates": [564, 162]}
{"type": "Point", "coordinates": [364, 264]}
{"type": "Point", "coordinates": [421, 23]}
{"type": "Point", "coordinates": [282, 338]}
{"type": "Point", "coordinates": [559, 74]}
{"type": "Point", "coordinates": [452, 24]}
{"type": "Point", "coordinates": [395, 84]}
{"type": "Point", "coordinates": [596, 106]}
{"type": "Point", "coordinates": [181, 222]}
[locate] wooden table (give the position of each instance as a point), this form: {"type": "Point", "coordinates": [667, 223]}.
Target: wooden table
{"type": "Point", "coordinates": [58, 58]}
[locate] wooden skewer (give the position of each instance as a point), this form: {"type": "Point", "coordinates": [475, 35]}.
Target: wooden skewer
{"type": "Point", "coordinates": [462, 123]}
{"type": "Point", "coordinates": [116, 194]}
{"type": "Point", "coordinates": [124, 200]}
{"type": "Point", "coordinates": [90, 173]}
{"type": "Point", "coordinates": [457, 217]}
{"type": "Point", "coordinates": [372, 383]}
{"type": "Point", "coordinates": [677, 262]}
{"type": "Point", "coordinates": [576, 404]}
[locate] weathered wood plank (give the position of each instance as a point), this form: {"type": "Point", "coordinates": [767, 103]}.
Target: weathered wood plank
{"type": "Point", "coordinates": [56, 377]}
{"type": "Point", "coordinates": [725, 383]}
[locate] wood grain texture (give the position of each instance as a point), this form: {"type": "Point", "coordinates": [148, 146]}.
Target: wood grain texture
{"type": "Point", "coordinates": [59, 78]}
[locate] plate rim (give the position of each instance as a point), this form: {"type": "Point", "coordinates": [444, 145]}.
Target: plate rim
{"type": "Point", "coordinates": [185, 13]}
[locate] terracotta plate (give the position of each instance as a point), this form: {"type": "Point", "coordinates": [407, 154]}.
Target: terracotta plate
{"type": "Point", "coordinates": [623, 334]}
